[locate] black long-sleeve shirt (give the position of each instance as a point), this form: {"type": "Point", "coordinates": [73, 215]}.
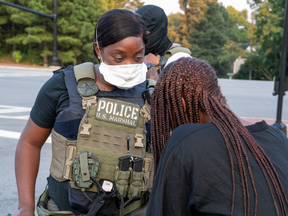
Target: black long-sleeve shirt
{"type": "Point", "coordinates": [194, 174]}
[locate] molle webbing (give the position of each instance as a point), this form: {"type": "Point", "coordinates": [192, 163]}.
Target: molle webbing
{"type": "Point", "coordinates": [109, 161]}
{"type": "Point", "coordinates": [110, 136]}
{"type": "Point", "coordinates": [108, 141]}
{"type": "Point", "coordinates": [63, 152]}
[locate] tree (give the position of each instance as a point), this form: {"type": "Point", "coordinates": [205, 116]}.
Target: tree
{"type": "Point", "coordinates": [32, 30]}
{"type": "Point", "coordinates": [253, 63]}
{"type": "Point", "coordinates": [209, 36]}
{"type": "Point", "coordinates": [4, 30]}
{"type": "Point", "coordinates": [269, 33]}
{"type": "Point", "coordinates": [126, 4]}
{"type": "Point", "coordinates": [21, 19]}
{"type": "Point", "coordinates": [237, 25]}
{"type": "Point", "coordinates": [176, 27]}
{"type": "Point", "coordinates": [254, 3]}
{"type": "Point", "coordinates": [195, 9]}
{"type": "Point", "coordinates": [214, 34]}
{"type": "Point", "coordinates": [237, 34]}
{"type": "Point", "coordinates": [76, 29]}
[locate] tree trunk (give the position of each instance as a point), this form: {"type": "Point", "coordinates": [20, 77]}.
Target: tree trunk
{"type": "Point", "coordinates": [14, 47]}
{"type": "Point", "coordinates": [45, 57]}
{"type": "Point", "coordinates": [75, 58]}
{"type": "Point", "coordinates": [29, 42]}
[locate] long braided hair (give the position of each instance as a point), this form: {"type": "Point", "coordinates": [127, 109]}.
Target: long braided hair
{"type": "Point", "coordinates": [195, 82]}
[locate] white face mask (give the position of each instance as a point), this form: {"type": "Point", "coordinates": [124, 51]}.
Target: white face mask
{"type": "Point", "coordinates": [124, 76]}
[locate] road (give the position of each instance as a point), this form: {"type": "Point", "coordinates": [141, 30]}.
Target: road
{"type": "Point", "coordinates": [252, 98]}
{"type": "Point", "coordinates": [18, 90]}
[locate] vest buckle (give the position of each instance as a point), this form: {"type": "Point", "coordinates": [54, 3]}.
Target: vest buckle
{"type": "Point", "coordinates": [87, 102]}
{"type": "Point", "coordinates": [145, 112]}
{"type": "Point", "coordinates": [85, 130]}
{"type": "Point", "coordinates": [139, 139]}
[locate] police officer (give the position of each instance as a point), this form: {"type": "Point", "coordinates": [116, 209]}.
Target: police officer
{"type": "Point", "coordinates": [73, 98]}
{"type": "Point", "coordinates": [158, 44]}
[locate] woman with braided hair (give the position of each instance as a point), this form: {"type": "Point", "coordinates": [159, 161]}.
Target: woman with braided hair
{"type": "Point", "coordinates": [213, 163]}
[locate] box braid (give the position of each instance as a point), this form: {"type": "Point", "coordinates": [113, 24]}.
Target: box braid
{"type": "Point", "coordinates": [196, 82]}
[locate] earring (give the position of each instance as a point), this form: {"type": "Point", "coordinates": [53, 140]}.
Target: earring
{"type": "Point", "coordinates": [99, 57]}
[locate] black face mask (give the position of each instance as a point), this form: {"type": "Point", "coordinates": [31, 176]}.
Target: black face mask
{"type": "Point", "coordinates": [156, 23]}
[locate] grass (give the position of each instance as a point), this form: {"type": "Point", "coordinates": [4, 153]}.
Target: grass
{"type": "Point", "coordinates": [7, 59]}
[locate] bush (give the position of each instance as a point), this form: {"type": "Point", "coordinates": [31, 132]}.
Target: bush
{"type": "Point", "coordinates": [243, 73]}
{"type": "Point", "coordinates": [33, 56]}
{"type": "Point", "coordinates": [17, 56]}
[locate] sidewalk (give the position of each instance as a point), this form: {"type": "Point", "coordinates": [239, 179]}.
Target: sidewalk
{"type": "Point", "coordinates": [28, 67]}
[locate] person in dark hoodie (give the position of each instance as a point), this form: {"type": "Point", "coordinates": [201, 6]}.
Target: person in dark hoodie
{"type": "Point", "coordinates": [159, 48]}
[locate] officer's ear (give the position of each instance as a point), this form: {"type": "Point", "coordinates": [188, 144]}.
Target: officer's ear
{"type": "Point", "coordinates": [97, 50]}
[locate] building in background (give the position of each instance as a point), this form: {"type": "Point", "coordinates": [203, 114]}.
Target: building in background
{"type": "Point", "coordinates": [240, 61]}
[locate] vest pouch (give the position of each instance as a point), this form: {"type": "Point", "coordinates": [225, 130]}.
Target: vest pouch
{"type": "Point", "coordinates": [63, 151]}
{"type": "Point", "coordinates": [86, 165]}
{"type": "Point", "coordinates": [106, 202]}
{"type": "Point", "coordinates": [81, 200]}
{"type": "Point", "coordinates": [122, 182]}
{"type": "Point", "coordinates": [148, 173]}
{"type": "Point", "coordinates": [136, 182]}
{"type": "Point", "coordinates": [42, 210]}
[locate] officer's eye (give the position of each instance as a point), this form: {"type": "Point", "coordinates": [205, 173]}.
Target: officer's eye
{"type": "Point", "coordinates": [118, 59]}
{"type": "Point", "coordinates": [139, 58]}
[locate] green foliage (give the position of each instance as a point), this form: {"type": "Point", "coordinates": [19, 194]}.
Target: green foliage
{"type": "Point", "coordinates": [268, 34]}
{"type": "Point", "coordinates": [17, 56]}
{"type": "Point", "coordinates": [176, 27]}
{"type": "Point", "coordinates": [254, 3]}
{"type": "Point", "coordinates": [212, 35]}
{"type": "Point", "coordinates": [127, 4]}
{"type": "Point", "coordinates": [66, 57]}
{"type": "Point", "coordinates": [209, 37]}
{"type": "Point", "coordinates": [33, 34]}
{"type": "Point", "coordinates": [33, 56]}
{"type": "Point", "coordinates": [258, 71]}
{"type": "Point", "coordinates": [3, 20]}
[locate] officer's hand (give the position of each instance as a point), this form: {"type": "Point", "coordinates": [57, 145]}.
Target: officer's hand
{"type": "Point", "coordinates": [24, 212]}
{"type": "Point", "coordinates": [151, 58]}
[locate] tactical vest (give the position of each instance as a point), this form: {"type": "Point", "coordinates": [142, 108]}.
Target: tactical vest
{"type": "Point", "coordinates": [170, 53]}
{"type": "Point", "coordinates": [109, 126]}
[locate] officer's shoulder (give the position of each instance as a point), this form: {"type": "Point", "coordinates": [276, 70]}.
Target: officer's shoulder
{"type": "Point", "coordinates": [59, 71]}
{"type": "Point", "coordinates": [175, 50]}
{"type": "Point", "coordinates": [56, 79]}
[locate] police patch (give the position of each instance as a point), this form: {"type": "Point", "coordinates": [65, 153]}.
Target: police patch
{"type": "Point", "coordinates": [118, 112]}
